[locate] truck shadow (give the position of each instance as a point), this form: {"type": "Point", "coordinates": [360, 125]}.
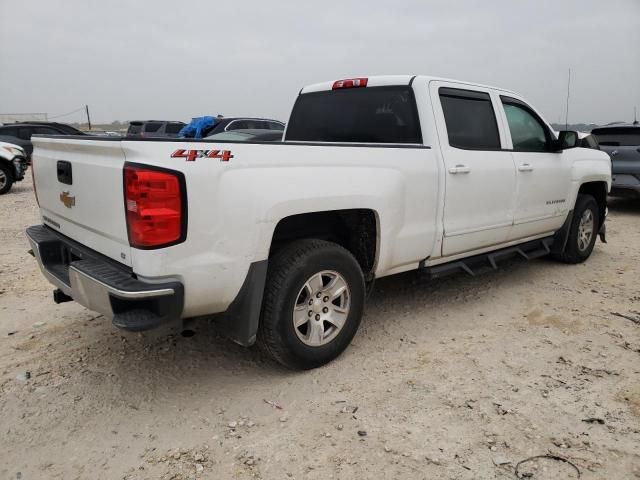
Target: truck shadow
{"type": "Point", "coordinates": [98, 362]}
{"type": "Point", "coordinates": [624, 205]}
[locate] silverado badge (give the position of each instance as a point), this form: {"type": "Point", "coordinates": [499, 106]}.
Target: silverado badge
{"type": "Point", "coordinates": [68, 200]}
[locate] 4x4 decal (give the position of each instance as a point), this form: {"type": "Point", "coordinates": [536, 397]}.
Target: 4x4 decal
{"type": "Point", "coordinates": [191, 155]}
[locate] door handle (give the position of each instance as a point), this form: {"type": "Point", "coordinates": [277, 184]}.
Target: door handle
{"type": "Point", "coordinates": [525, 167]}
{"type": "Point", "coordinates": [459, 169]}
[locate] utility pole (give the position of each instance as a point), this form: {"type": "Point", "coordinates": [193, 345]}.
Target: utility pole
{"type": "Point", "coordinates": [566, 118]}
{"type": "Point", "coordinates": [86, 107]}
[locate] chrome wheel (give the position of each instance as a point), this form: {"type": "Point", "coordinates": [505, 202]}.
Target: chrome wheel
{"type": "Point", "coordinates": [322, 308]}
{"type": "Point", "coordinates": [585, 230]}
{"type": "Point", "coordinates": [3, 179]}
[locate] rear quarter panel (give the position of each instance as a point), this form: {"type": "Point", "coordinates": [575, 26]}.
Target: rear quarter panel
{"type": "Point", "coordinates": [234, 207]}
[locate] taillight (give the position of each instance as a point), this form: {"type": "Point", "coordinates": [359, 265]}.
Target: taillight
{"type": "Point", "coordinates": [350, 83]}
{"type": "Point", "coordinates": [155, 206]}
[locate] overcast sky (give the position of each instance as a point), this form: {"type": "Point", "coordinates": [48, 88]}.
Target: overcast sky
{"type": "Point", "coordinates": [177, 59]}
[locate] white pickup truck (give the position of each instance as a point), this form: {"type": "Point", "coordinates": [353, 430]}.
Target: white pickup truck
{"type": "Point", "coordinates": [375, 176]}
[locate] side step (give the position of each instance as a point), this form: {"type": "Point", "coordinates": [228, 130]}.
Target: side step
{"type": "Point", "coordinates": [484, 262]}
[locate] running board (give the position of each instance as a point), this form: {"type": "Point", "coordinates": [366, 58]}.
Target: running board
{"type": "Point", "coordinates": [482, 263]}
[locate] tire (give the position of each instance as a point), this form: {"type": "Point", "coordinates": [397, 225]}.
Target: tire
{"type": "Point", "coordinates": [6, 179]}
{"type": "Point", "coordinates": [578, 249]}
{"type": "Point", "coordinates": [297, 273]}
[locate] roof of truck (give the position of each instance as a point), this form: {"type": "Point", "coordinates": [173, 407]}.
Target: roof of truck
{"type": "Point", "coordinates": [391, 80]}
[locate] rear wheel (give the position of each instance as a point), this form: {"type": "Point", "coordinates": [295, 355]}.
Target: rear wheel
{"type": "Point", "coordinates": [313, 303]}
{"type": "Point", "coordinates": [6, 179]}
{"type": "Point", "coordinates": [583, 231]}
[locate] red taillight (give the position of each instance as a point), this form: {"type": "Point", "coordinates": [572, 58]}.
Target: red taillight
{"type": "Point", "coordinates": [350, 83]}
{"type": "Point", "coordinates": [154, 205]}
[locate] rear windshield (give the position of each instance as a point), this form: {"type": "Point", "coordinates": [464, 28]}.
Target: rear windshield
{"type": "Point", "coordinates": [617, 137]}
{"type": "Point", "coordinates": [366, 115]}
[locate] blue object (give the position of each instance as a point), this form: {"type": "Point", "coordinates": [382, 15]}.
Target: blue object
{"type": "Point", "coordinates": [196, 126]}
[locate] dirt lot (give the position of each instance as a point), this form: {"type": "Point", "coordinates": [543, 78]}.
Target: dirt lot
{"type": "Point", "coordinates": [458, 379]}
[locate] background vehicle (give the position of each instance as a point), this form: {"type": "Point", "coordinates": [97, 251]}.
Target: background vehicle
{"type": "Point", "coordinates": [20, 133]}
{"type": "Point", "coordinates": [224, 124]}
{"type": "Point", "coordinates": [154, 128]}
{"type": "Point", "coordinates": [255, 135]}
{"type": "Point", "coordinates": [13, 164]}
{"type": "Point", "coordinates": [375, 176]}
{"type": "Point", "coordinates": [622, 143]}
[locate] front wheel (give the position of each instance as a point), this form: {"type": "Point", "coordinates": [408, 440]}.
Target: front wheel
{"type": "Point", "coordinates": [312, 305]}
{"type": "Point", "coordinates": [6, 179]}
{"type": "Point", "coordinates": [583, 230]}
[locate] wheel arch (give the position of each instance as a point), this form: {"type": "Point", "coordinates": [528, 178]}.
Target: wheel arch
{"type": "Point", "coordinates": [598, 190]}
{"type": "Point", "coordinates": [357, 230]}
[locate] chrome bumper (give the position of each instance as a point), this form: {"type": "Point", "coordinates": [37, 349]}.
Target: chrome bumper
{"type": "Point", "coordinates": [102, 285]}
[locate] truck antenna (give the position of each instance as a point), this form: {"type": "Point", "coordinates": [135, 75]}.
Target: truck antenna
{"type": "Point", "coordinates": [635, 115]}
{"type": "Point", "coordinates": [566, 118]}
{"type": "Point", "coordinates": [86, 107]}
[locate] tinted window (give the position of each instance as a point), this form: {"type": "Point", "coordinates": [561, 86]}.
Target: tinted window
{"type": "Point", "coordinates": [471, 121]}
{"type": "Point", "coordinates": [274, 126]}
{"type": "Point", "coordinates": [24, 133]}
{"type": "Point", "coordinates": [152, 126]}
{"type": "Point", "coordinates": [173, 128]}
{"type": "Point", "coordinates": [134, 128]}
{"type": "Point", "coordinates": [528, 133]}
{"type": "Point", "coordinates": [46, 131]}
{"type": "Point", "coordinates": [11, 131]}
{"type": "Point", "coordinates": [239, 125]}
{"type": "Point", "coordinates": [618, 137]}
{"type": "Point", "coordinates": [368, 115]}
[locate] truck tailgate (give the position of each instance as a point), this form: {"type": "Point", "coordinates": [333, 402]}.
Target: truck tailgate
{"type": "Point", "coordinates": [79, 186]}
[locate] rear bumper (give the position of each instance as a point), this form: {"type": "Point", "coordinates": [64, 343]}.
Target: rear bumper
{"type": "Point", "coordinates": [103, 285]}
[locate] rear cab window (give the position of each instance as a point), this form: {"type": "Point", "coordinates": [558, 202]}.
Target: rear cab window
{"type": "Point", "coordinates": [386, 115]}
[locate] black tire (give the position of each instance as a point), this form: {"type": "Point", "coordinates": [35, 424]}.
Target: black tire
{"type": "Point", "coordinates": [8, 176]}
{"type": "Point", "coordinates": [572, 252]}
{"type": "Point", "coordinates": [289, 270]}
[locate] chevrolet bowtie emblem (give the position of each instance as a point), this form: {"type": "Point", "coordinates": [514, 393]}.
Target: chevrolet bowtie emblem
{"type": "Point", "coordinates": [68, 200]}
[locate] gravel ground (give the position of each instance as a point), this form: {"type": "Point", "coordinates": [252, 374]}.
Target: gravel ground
{"type": "Point", "coordinates": [458, 379]}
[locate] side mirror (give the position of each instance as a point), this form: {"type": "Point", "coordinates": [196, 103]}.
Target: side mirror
{"type": "Point", "coordinates": [567, 139]}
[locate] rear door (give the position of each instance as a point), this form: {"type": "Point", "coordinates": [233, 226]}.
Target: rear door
{"type": "Point", "coordinates": [543, 175]}
{"type": "Point", "coordinates": [480, 176]}
{"type": "Point", "coordinates": [80, 192]}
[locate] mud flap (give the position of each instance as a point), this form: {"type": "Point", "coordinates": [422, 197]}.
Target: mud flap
{"type": "Point", "coordinates": [561, 236]}
{"type": "Point", "coordinates": [240, 321]}
{"type": "Point", "coordinates": [603, 232]}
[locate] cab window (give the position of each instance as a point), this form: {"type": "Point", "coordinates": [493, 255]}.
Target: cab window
{"type": "Point", "coordinates": [528, 132]}
{"type": "Point", "coordinates": [470, 119]}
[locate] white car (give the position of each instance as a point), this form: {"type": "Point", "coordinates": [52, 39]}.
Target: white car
{"type": "Point", "coordinates": [13, 164]}
{"type": "Point", "coordinates": [375, 176]}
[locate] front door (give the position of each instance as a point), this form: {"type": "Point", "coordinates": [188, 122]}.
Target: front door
{"type": "Point", "coordinates": [480, 177]}
{"type": "Point", "coordinates": [543, 175]}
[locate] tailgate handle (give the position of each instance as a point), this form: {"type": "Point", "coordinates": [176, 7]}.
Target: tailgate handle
{"type": "Point", "coordinates": [64, 172]}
